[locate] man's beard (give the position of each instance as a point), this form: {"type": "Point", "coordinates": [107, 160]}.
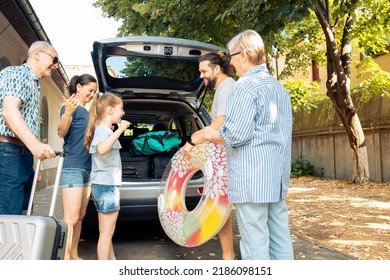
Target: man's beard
{"type": "Point", "coordinates": [212, 82]}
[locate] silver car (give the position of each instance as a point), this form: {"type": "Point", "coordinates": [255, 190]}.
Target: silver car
{"type": "Point", "coordinates": [159, 81]}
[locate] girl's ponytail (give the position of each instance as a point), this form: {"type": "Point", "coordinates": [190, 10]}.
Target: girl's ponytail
{"type": "Point", "coordinates": [92, 122]}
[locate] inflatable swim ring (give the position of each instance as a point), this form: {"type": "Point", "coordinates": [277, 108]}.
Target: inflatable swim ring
{"type": "Point", "coordinates": [193, 228]}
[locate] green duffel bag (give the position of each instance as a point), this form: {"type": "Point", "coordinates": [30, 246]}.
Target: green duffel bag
{"type": "Point", "coordinates": [155, 142]}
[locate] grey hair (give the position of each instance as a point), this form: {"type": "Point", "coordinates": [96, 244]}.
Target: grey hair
{"type": "Point", "coordinates": [38, 46]}
{"type": "Point", "coordinates": [250, 42]}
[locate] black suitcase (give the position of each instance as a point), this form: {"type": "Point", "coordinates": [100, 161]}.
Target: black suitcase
{"type": "Point", "coordinates": [159, 165]}
{"type": "Point", "coordinates": [28, 237]}
{"type": "Point", "coordinates": [136, 167]}
{"type": "Point", "coordinates": [160, 162]}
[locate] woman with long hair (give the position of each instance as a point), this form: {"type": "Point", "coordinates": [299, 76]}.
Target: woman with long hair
{"type": "Point", "coordinates": [75, 176]}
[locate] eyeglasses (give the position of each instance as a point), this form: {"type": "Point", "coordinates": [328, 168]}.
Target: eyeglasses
{"type": "Point", "coordinates": [229, 56]}
{"type": "Point", "coordinates": [55, 58]}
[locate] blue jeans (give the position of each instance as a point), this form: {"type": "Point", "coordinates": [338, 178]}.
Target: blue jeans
{"type": "Point", "coordinates": [264, 230]}
{"type": "Point", "coordinates": [16, 177]}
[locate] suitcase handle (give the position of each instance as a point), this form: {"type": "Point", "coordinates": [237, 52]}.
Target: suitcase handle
{"type": "Point", "coordinates": [56, 184]}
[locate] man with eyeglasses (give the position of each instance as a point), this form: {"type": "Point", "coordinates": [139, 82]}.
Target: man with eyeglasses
{"type": "Point", "coordinates": [19, 125]}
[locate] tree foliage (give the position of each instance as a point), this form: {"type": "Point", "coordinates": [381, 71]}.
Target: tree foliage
{"type": "Point", "coordinates": [304, 95]}
{"type": "Point", "coordinates": [191, 19]}
{"type": "Point", "coordinates": [208, 21]}
{"type": "Point", "coordinates": [376, 80]}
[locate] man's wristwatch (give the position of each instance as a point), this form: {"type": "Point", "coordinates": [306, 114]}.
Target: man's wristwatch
{"type": "Point", "coordinates": [190, 142]}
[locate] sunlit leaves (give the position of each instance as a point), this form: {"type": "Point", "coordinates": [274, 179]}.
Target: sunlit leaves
{"type": "Point", "coordinates": [377, 81]}
{"type": "Point", "coordinates": [303, 95]}
{"type": "Point", "coordinates": [372, 32]}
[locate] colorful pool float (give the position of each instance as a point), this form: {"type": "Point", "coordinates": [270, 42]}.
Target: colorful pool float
{"type": "Point", "coordinates": [193, 228]}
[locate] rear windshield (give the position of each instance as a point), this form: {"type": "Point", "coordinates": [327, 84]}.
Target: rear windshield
{"type": "Point", "coordinates": [169, 68]}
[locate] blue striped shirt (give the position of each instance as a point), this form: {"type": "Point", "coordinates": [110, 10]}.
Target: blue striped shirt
{"type": "Point", "coordinates": [257, 132]}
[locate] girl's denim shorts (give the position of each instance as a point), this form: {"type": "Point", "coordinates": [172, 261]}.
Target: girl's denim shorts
{"type": "Point", "coordinates": [105, 197]}
{"type": "Point", "coordinates": [74, 177]}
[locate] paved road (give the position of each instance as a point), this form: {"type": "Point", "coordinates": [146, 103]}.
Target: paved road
{"type": "Point", "coordinates": [147, 241]}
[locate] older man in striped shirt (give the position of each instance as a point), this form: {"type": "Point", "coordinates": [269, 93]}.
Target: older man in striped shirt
{"type": "Point", "coordinates": [257, 134]}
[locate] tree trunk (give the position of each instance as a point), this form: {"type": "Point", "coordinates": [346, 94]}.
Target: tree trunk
{"type": "Point", "coordinates": [338, 90]}
{"type": "Point", "coordinates": [357, 142]}
{"type": "Point", "coordinates": [343, 104]}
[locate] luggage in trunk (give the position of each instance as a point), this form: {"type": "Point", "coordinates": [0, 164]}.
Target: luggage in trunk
{"type": "Point", "coordinates": [136, 167]}
{"type": "Point", "coordinates": [160, 163]}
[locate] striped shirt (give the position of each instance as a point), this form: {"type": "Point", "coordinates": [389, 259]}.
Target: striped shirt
{"type": "Point", "coordinates": [257, 132]}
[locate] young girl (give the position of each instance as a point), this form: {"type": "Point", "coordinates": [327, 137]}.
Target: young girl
{"type": "Point", "coordinates": [106, 172]}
